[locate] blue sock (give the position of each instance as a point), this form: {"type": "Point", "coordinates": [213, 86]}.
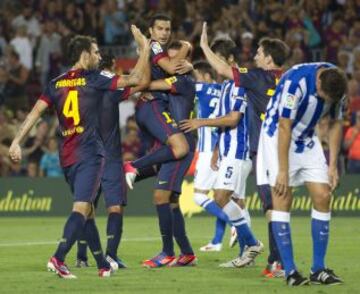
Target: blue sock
{"type": "Point", "coordinates": [210, 206]}
{"type": "Point", "coordinates": [274, 253]}
{"type": "Point", "coordinates": [242, 243]}
{"type": "Point", "coordinates": [236, 216]}
{"type": "Point", "coordinates": [166, 227]}
{"type": "Point", "coordinates": [161, 155]}
{"type": "Point", "coordinates": [113, 232]}
{"type": "Point", "coordinates": [180, 232]}
{"type": "Point", "coordinates": [82, 247]}
{"type": "Point", "coordinates": [281, 231]}
{"type": "Point", "coordinates": [220, 226]}
{"type": "Point", "coordinates": [320, 235]}
{"type": "Point", "coordinates": [72, 230]}
{"type": "Point", "coordinates": [93, 239]}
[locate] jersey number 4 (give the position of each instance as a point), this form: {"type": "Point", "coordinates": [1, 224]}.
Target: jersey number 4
{"type": "Point", "coordinates": [71, 107]}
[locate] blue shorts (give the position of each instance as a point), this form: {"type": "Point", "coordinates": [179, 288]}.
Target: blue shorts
{"type": "Point", "coordinates": [171, 174]}
{"type": "Point", "coordinates": [113, 184]}
{"type": "Point", "coordinates": [154, 118]}
{"type": "Point", "coordinates": [84, 178]}
{"type": "Point", "coordinates": [264, 191]}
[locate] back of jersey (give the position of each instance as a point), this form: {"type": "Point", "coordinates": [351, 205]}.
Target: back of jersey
{"type": "Point", "coordinates": [76, 95]}
{"type": "Point", "coordinates": [207, 96]}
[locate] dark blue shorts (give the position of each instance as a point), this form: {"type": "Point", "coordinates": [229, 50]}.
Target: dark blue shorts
{"type": "Point", "coordinates": [171, 174]}
{"type": "Point", "coordinates": [113, 185]}
{"type": "Point", "coordinates": [264, 191]}
{"type": "Point", "coordinates": [84, 178]}
{"type": "Point", "coordinates": [154, 117]}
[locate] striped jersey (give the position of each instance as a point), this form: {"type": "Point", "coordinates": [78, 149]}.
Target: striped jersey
{"type": "Point", "coordinates": [233, 142]}
{"type": "Point", "coordinates": [296, 98]}
{"type": "Point", "coordinates": [207, 96]}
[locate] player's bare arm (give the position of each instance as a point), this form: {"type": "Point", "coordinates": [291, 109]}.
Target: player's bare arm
{"type": "Point", "coordinates": [230, 120]}
{"type": "Point", "coordinates": [335, 135]}
{"type": "Point", "coordinates": [136, 76]}
{"type": "Point", "coordinates": [221, 67]}
{"type": "Point", "coordinates": [282, 180]}
{"type": "Point", "coordinates": [174, 64]}
{"type": "Point", "coordinates": [29, 122]}
{"type": "Point", "coordinates": [215, 158]}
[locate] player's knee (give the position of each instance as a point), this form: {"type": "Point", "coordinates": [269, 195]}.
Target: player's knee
{"type": "Point", "coordinates": [221, 199]}
{"type": "Point", "coordinates": [161, 198]}
{"type": "Point", "coordinates": [179, 145]}
{"type": "Point", "coordinates": [115, 209]}
{"type": "Point", "coordinates": [322, 200]}
{"type": "Point", "coordinates": [82, 207]}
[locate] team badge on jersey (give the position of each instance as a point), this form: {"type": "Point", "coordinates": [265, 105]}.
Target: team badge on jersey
{"type": "Point", "coordinates": [243, 70]}
{"type": "Point", "coordinates": [156, 48]}
{"type": "Point", "coordinates": [290, 101]}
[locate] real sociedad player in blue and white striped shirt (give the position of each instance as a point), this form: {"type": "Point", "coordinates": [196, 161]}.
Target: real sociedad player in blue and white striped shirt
{"type": "Point", "coordinates": [233, 149]}
{"type": "Point", "coordinates": [290, 154]}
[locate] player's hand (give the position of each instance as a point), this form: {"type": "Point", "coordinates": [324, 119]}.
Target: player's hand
{"type": "Point", "coordinates": [183, 67]}
{"type": "Point", "coordinates": [204, 37]}
{"type": "Point", "coordinates": [189, 125]}
{"type": "Point", "coordinates": [140, 39]}
{"type": "Point", "coordinates": [15, 152]}
{"type": "Point", "coordinates": [333, 177]}
{"type": "Point", "coordinates": [214, 160]}
{"type": "Point", "coordinates": [282, 184]}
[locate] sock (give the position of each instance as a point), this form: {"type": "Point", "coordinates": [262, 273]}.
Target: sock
{"type": "Point", "coordinates": [82, 247]}
{"type": "Point", "coordinates": [93, 239]}
{"type": "Point", "coordinates": [236, 216]}
{"type": "Point", "coordinates": [113, 233]}
{"type": "Point", "coordinates": [166, 227]}
{"type": "Point", "coordinates": [280, 222]}
{"type": "Point", "coordinates": [159, 156]}
{"type": "Point", "coordinates": [320, 235]}
{"type": "Point", "coordinates": [180, 232]}
{"type": "Point", "coordinates": [210, 206]}
{"type": "Point", "coordinates": [274, 253]}
{"type": "Point", "coordinates": [220, 226]}
{"type": "Point", "coordinates": [146, 172]}
{"type": "Point", "coordinates": [72, 230]}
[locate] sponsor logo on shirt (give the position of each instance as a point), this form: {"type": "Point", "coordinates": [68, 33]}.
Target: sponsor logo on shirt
{"type": "Point", "coordinates": [156, 48]}
{"type": "Point", "coordinates": [290, 101]}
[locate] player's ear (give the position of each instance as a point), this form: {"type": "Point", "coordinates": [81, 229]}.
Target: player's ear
{"type": "Point", "coordinates": [150, 30]}
{"type": "Point", "coordinates": [231, 59]}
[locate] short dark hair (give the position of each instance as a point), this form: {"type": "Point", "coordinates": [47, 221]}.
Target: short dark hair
{"type": "Point", "coordinates": [176, 45]}
{"type": "Point", "coordinates": [77, 45]}
{"type": "Point", "coordinates": [107, 60]}
{"type": "Point", "coordinates": [158, 16]}
{"type": "Point", "coordinates": [225, 47]}
{"type": "Point", "coordinates": [277, 49]}
{"type": "Point", "coordinates": [204, 67]}
{"type": "Point", "coordinates": [333, 83]}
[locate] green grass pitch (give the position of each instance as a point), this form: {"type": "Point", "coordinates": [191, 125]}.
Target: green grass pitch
{"type": "Point", "coordinates": [27, 243]}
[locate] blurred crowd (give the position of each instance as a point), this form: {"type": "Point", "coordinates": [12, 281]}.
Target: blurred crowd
{"type": "Point", "coordinates": [34, 34]}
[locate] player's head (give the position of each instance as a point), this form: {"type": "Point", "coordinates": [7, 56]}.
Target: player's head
{"type": "Point", "coordinates": [203, 72]}
{"type": "Point", "coordinates": [225, 49]}
{"type": "Point", "coordinates": [107, 61]}
{"type": "Point", "coordinates": [84, 51]}
{"type": "Point", "coordinates": [331, 84]}
{"type": "Point", "coordinates": [174, 48]}
{"type": "Point", "coordinates": [271, 53]}
{"type": "Point", "coordinates": [160, 28]}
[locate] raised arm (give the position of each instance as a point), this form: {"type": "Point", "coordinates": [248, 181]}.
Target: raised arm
{"type": "Point", "coordinates": [221, 67]}
{"type": "Point", "coordinates": [31, 119]}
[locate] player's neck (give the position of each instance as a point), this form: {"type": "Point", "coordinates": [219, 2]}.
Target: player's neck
{"type": "Point", "coordinates": [79, 65]}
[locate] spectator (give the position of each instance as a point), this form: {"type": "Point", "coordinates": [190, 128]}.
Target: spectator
{"type": "Point", "coordinates": [352, 145]}
{"type": "Point", "coordinates": [22, 46]}
{"type": "Point", "coordinates": [49, 163]}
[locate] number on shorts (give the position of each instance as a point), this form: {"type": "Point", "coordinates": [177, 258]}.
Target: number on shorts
{"type": "Point", "coordinates": [229, 172]}
{"type": "Point", "coordinates": [71, 107]}
{"type": "Point", "coordinates": [167, 117]}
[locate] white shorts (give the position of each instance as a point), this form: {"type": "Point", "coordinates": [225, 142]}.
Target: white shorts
{"type": "Point", "coordinates": [308, 166]}
{"type": "Point", "coordinates": [232, 175]}
{"type": "Point", "coordinates": [205, 177]}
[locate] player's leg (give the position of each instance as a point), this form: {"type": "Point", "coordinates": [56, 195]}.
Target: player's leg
{"type": "Point", "coordinates": [84, 180]}
{"type": "Point", "coordinates": [167, 255]}
{"type": "Point", "coordinates": [115, 196]}
{"type": "Point", "coordinates": [320, 223]}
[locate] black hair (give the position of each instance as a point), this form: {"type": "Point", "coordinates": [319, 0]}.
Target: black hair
{"type": "Point", "coordinates": [226, 48]}
{"type": "Point", "coordinates": [158, 16]}
{"type": "Point", "coordinates": [107, 61]}
{"type": "Point", "coordinates": [204, 67]}
{"type": "Point", "coordinates": [277, 49]}
{"type": "Point", "coordinates": [333, 83]}
{"type": "Point", "coordinates": [78, 45]}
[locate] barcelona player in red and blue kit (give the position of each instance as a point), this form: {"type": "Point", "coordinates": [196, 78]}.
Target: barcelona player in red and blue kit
{"type": "Point", "coordinates": [76, 96]}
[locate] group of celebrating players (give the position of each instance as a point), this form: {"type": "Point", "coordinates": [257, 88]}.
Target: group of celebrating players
{"type": "Point", "coordinates": [261, 118]}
